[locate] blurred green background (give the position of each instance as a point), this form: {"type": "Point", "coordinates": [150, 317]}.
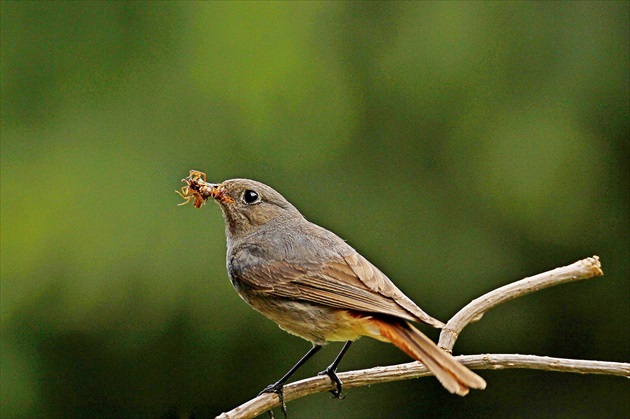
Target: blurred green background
{"type": "Point", "coordinates": [458, 145]}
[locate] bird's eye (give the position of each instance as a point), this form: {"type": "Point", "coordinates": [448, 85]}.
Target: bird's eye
{"type": "Point", "coordinates": [249, 197]}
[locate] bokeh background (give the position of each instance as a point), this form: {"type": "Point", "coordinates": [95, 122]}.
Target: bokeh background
{"type": "Point", "coordinates": [458, 145]}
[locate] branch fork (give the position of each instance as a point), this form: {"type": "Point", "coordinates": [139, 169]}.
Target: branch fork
{"type": "Point", "coordinates": [582, 269]}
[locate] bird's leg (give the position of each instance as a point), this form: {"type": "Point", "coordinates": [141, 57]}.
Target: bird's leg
{"type": "Point", "coordinates": [278, 387]}
{"type": "Point", "coordinates": [332, 369]}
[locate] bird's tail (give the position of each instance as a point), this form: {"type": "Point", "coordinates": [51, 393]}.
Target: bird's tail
{"type": "Point", "coordinates": [454, 376]}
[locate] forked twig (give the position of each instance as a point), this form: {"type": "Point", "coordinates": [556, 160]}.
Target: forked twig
{"type": "Point", "coordinates": [583, 269]}
{"type": "Point", "coordinates": [473, 311]}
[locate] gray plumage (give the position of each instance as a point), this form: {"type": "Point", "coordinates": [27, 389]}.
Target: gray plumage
{"type": "Point", "coordinates": [314, 285]}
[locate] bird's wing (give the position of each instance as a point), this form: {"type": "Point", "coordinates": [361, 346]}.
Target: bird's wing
{"type": "Point", "coordinates": [349, 282]}
{"type": "Point", "coordinates": [377, 281]}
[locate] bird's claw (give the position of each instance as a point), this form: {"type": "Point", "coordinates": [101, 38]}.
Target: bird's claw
{"type": "Point", "coordinates": [277, 388]}
{"type": "Point", "coordinates": [330, 372]}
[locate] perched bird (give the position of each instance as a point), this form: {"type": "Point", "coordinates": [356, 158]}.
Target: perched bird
{"type": "Point", "coordinates": [316, 286]}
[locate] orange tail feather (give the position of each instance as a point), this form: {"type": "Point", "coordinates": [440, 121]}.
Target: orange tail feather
{"type": "Point", "coordinates": [454, 376]}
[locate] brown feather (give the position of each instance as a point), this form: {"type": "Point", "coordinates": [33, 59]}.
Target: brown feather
{"type": "Point", "coordinates": [351, 283]}
{"type": "Point", "coordinates": [455, 377]}
{"type": "Point", "coordinates": [376, 280]}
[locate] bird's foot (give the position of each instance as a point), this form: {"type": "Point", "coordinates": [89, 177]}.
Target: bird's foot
{"type": "Point", "coordinates": [330, 372]}
{"type": "Point", "coordinates": [277, 388]}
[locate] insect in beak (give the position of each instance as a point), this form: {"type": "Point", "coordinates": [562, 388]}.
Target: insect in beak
{"type": "Point", "coordinates": [198, 190]}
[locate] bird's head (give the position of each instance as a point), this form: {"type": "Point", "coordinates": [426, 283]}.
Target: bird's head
{"type": "Point", "coordinates": [247, 205]}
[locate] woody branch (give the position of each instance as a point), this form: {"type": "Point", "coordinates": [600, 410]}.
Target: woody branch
{"type": "Point", "coordinates": [583, 269]}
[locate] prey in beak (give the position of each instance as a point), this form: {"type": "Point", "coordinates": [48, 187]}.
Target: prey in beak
{"type": "Point", "coordinates": [198, 190]}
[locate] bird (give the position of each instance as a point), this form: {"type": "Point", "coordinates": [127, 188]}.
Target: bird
{"type": "Point", "coordinates": [314, 285]}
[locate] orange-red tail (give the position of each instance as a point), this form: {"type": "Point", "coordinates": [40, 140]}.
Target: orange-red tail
{"type": "Point", "coordinates": [455, 377]}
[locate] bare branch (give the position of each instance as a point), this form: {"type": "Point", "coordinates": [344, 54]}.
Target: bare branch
{"type": "Point", "coordinates": [583, 269]}
{"type": "Point", "coordinates": [415, 369]}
